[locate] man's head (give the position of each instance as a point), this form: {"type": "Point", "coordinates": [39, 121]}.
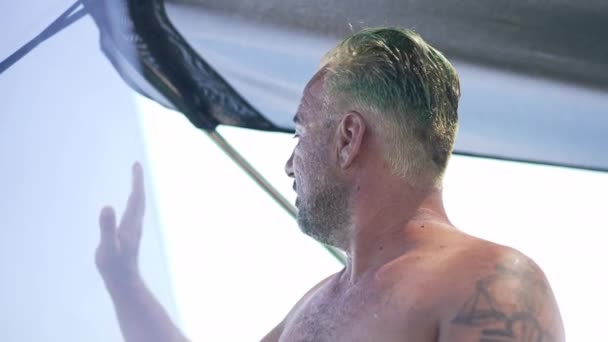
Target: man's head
{"type": "Point", "coordinates": [322, 193]}
{"type": "Point", "coordinates": [381, 87]}
{"type": "Point", "coordinates": [410, 91]}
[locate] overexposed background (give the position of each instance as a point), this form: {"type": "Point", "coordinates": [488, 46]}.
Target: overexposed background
{"type": "Point", "coordinates": [238, 262]}
{"type": "Point", "coordinates": [220, 255]}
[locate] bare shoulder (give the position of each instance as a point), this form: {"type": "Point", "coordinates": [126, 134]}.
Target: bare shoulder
{"type": "Point", "coordinates": [275, 334]}
{"type": "Point", "coordinates": [497, 293]}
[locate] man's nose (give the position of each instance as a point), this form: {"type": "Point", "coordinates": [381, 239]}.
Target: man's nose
{"type": "Point", "coordinates": [289, 166]}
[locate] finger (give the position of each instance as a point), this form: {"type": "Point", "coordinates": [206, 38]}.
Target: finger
{"type": "Point", "coordinates": [133, 216]}
{"type": "Point", "coordinates": [107, 225]}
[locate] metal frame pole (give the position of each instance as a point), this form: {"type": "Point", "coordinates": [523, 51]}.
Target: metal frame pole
{"type": "Point", "coordinates": [219, 140]}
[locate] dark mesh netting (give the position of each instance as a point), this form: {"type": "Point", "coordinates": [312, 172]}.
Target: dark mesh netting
{"type": "Point", "coordinates": [155, 60]}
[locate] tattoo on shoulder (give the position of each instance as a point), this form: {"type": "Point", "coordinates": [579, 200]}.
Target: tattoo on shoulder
{"type": "Point", "coordinates": [505, 305]}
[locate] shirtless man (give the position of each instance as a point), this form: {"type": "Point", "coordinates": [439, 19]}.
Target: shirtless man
{"type": "Point", "coordinates": [376, 126]}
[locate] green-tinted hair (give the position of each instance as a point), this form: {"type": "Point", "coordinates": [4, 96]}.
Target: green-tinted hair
{"type": "Point", "coordinates": [409, 87]}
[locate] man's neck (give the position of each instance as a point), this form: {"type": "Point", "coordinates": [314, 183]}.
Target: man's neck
{"type": "Point", "coordinates": [390, 223]}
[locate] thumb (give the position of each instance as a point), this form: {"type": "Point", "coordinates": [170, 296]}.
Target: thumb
{"type": "Point", "coordinates": [107, 226]}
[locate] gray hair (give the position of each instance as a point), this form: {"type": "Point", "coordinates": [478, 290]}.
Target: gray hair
{"type": "Point", "coordinates": [409, 88]}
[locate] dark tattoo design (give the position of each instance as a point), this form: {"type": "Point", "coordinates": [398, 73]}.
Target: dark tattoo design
{"type": "Point", "coordinates": [506, 304]}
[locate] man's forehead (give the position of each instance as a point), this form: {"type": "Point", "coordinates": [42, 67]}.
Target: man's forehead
{"type": "Point", "coordinates": [316, 82]}
{"type": "Point", "coordinates": [311, 95]}
{"type": "Point", "coordinates": [307, 104]}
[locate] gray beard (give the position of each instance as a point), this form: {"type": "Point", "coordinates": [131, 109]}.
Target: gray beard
{"type": "Point", "coordinates": [325, 217]}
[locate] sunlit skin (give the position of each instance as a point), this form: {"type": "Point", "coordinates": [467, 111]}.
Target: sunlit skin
{"type": "Point", "coordinates": [410, 274]}
{"type": "Point", "coordinates": [409, 270]}
{"type": "Point", "coordinates": [384, 211]}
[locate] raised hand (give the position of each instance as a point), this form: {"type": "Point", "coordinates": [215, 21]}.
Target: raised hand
{"type": "Point", "coordinates": [117, 254]}
{"type": "Point", "coordinates": [141, 317]}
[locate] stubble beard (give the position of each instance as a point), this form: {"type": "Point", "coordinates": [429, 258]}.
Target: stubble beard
{"type": "Point", "coordinates": [324, 215]}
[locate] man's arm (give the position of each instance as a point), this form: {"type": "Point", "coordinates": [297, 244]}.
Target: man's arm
{"type": "Point", "coordinates": [141, 317]}
{"type": "Point", "coordinates": [510, 302]}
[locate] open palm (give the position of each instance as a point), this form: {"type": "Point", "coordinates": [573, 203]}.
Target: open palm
{"type": "Point", "coordinates": [118, 250]}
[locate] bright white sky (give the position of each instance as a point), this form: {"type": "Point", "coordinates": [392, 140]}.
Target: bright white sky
{"type": "Point", "coordinates": [239, 263]}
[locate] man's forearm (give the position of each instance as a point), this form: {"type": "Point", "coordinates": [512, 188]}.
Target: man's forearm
{"type": "Point", "coordinates": [140, 315]}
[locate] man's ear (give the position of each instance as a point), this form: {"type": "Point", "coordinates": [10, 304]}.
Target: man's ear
{"type": "Point", "coordinates": [351, 131]}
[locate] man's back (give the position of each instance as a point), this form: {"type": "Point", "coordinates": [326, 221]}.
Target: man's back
{"type": "Point", "coordinates": [452, 287]}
